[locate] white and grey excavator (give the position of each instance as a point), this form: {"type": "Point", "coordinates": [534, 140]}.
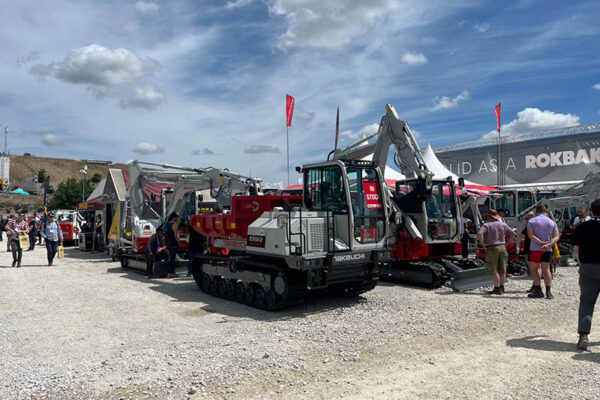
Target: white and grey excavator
{"type": "Point", "coordinates": [177, 189]}
{"type": "Point", "coordinates": [427, 225]}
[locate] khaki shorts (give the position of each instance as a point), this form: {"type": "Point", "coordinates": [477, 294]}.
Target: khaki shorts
{"type": "Point", "coordinates": [495, 259]}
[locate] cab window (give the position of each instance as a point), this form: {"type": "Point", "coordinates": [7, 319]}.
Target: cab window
{"type": "Point", "coordinates": [324, 190]}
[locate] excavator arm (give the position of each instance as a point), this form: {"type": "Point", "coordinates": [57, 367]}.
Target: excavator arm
{"type": "Point", "coordinates": [393, 131]}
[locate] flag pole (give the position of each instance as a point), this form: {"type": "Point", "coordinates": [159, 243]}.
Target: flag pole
{"type": "Point", "coordinates": [287, 142]}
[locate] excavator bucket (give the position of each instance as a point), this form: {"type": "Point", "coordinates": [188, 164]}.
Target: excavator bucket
{"type": "Point", "coordinates": [467, 275]}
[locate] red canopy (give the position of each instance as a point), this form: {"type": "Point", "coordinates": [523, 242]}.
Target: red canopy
{"type": "Point", "coordinates": [151, 188]}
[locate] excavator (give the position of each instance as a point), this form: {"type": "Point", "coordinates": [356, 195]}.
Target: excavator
{"type": "Point", "coordinates": [341, 233]}
{"type": "Point", "coordinates": [427, 224]}
{"type": "Point", "coordinates": [182, 190]}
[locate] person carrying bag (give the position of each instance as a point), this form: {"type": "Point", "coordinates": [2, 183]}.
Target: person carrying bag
{"type": "Point", "coordinates": [18, 229]}
{"type": "Point", "coordinates": [52, 236]}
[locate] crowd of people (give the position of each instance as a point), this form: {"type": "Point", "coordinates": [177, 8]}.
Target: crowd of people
{"type": "Point", "coordinates": [23, 231]}
{"type": "Point", "coordinates": [540, 237]}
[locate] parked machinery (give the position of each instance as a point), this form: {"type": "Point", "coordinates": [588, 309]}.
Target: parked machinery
{"type": "Point", "coordinates": [70, 222]}
{"type": "Point", "coordinates": [427, 224]}
{"type": "Point", "coordinates": [181, 190]}
{"type": "Point", "coordinates": [344, 229]}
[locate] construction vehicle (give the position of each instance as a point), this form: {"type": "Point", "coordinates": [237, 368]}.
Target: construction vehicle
{"type": "Point", "coordinates": [70, 222]}
{"type": "Point", "coordinates": [345, 228]}
{"type": "Point", "coordinates": [427, 225]}
{"type": "Point", "coordinates": [182, 190]}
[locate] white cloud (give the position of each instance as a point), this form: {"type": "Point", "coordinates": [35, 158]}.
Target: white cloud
{"type": "Point", "coordinates": [444, 102]}
{"type": "Point", "coordinates": [596, 86]}
{"type": "Point", "coordinates": [261, 148]}
{"type": "Point", "coordinates": [484, 27]}
{"type": "Point", "coordinates": [533, 120]}
{"type": "Point", "coordinates": [414, 58]}
{"type": "Point", "coordinates": [98, 66]}
{"type": "Point", "coordinates": [359, 134]}
{"type": "Point", "coordinates": [145, 97]}
{"type": "Point", "coordinates": [148, 148]}
{"type": "Point", "coordinates": [237, 4]}
{"type": "Point", "coordinates": [326, 24]}
{"type": "Point", "coordinates": [147, 8]}
{"type": "Point", "coordinates": [205, 151]}
{"type": "Point", "coordinates": [306, 116]}
{"type": "Point", "coordinates": [52, 140]}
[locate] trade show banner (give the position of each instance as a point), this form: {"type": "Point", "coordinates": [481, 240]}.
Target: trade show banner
{"type": "Point", "coordinates": [550, 160]}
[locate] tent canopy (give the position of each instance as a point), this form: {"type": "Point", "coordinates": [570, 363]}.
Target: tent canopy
{"type": "Point", "coordinates": [19, 191]}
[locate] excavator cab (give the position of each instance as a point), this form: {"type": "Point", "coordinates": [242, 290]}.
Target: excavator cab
{"type": "Point", "coordinates": [433, 208]}
{"type": "Point", "coordinates": [350, 192]}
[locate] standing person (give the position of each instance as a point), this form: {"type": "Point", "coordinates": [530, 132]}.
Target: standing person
{"type": "Point", "coordinates": [173, 239]}
{"type": "Point", "coordinates": [464, 240]}
{"type": "Point", "coordinates": [580, 218]}
{"type": "Point", "coordinates": [587, 253]}
{"type": "Point", "coordinates": [8, 233]}
{"type": "Point", "coordinates": [197, 246]}
{"type": "Point", "coordinates": [502, 214]}
{"type": "Point", "coordinates": [543, 233]}
{"type": "Point", "coordinates": [38, 226]}
{"type": "Point", "coordinates": [3, 222]}
{"type": "Point", "coordinates": [32, 231]}
{"type": "Point", "coordinates": [156, 250]}
{"type": "Point", "coordinates": [527, 244]}
{"type": "Point", "coordinates": [52, 236]}
{"type": "Point", "coordinates": [492, 236]}
{"type": "Point", "coordinates": [17, 227]}
{"type": "Point", "coordinates": [99, 234]}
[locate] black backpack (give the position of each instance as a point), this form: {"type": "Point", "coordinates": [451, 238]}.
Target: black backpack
{"type": "Point", "coordinates": [3, 224]}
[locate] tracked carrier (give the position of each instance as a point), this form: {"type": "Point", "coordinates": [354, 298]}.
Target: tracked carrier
{"type": "Point", "coordinates": [272, 251]}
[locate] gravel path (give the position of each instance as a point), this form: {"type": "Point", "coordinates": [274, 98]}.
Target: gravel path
{"type": "Point", "coordinates": [86, 329]}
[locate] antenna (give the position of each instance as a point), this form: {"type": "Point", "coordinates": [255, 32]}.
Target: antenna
{"type": "Point", "coordinates": [6, 139]}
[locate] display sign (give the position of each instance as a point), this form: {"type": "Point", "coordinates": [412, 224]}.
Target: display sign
{"type": "Point", "coordinates": [256, 241]}
{"type": "Point", "coordinates": [549, 160]}
{"type": "Point", "coordinates": [371, 195]}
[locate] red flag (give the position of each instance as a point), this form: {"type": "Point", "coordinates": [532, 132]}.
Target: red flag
{"type": "Point", "coordinates": [337, 128]}
{"type": "Point", "coordinates": [497, 114]}
{"type": "Point", "coordinates": [289, 108]}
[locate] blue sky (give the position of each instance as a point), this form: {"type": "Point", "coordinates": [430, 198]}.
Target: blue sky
{"type": "Point", "coordinates": [203, 83]}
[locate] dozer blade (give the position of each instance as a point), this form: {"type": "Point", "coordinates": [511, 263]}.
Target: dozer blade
{"type": "Point", "coordinates": [469, 279]}
{"type": "Point", "coordinates": [467, 275]}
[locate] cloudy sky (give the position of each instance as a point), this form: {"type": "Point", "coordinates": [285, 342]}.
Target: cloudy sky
{"type": "Point", "coordinates": [203, 83]}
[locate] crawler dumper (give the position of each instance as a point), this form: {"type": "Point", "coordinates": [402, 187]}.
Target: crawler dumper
{"type": "Point", "coordinates": [274, 250]}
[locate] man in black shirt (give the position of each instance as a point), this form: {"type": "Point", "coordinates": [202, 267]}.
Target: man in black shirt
{"type": "Point", "coordinates": [587, 253]}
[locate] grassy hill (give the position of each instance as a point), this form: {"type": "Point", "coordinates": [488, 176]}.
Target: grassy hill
{"type": "Point", "coordinates": [23, 168]}
{"type": "Point", "coordinates": [59, 169]}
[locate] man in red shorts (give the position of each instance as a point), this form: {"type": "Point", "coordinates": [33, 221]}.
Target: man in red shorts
{"type": "Point", "coordinates": [543, 233]}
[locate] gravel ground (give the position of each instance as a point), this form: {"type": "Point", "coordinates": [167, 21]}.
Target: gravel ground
{"type": "Point", "coordinates": [86, 329]}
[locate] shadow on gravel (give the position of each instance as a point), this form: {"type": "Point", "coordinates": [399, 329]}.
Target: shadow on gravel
{"type": "Point", "coordinates": [587, 356]}
{"type": "Point", "coordinates": [509, 294]}
{"type": "Point", "coordinates": [75, 253]}
{"type": "Point", "coordinates": [540, 343]}
{"type": "Point", "coordinates": [186, 290]}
